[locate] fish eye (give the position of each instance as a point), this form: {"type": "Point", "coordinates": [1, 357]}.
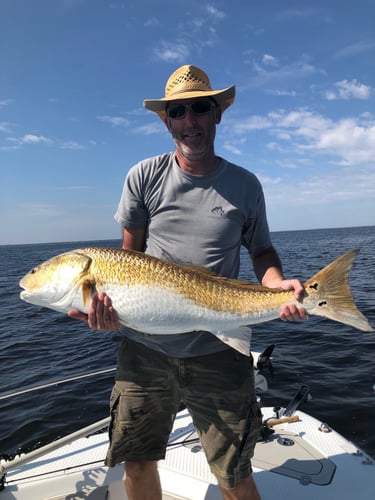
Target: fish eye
{"type": "Point", "coordinates": [34, 270]}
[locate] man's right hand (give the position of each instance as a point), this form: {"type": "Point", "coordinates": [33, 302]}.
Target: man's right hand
{"type": "Point", "coordinates": [101, 314]}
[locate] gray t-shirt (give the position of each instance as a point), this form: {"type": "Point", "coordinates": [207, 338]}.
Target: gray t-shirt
{"type": "Point", "coordinates": [189, 219]}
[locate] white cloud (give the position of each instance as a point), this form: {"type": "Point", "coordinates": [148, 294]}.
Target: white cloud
{"type": "Point", "coordinates": [330, 95]}
{"type": "Point", "coordinates": [303, 12]}
{"type": "Point", "coordinates": [73, 145]}
{"type": "Point", "coordinates": [282, 93]}
{"type": "Point", "coordinates": [271, 78]}
{"type": "Point", "coordinates": [40, 210]}
{"type": "Point", "coordinates": [232, 148]}
{"type": "Point", "coordinates": [152, 22]}
{"type": "Point", "coordinates": [270, 60]}
{"type": "Point", "coordinates": [150, 128]}
{"type": "Point", "coordinates": [9, 148]}
{"type": "Point", "coordinates": [349, 141]}
{"type": "Point", "coordinates": [349, 90]}
{"type": "Point", "coordinates": [354, 49]}
{"type": "Point", "coordinates": [115, 121]}
{"type": "Point", "coordinates": [351, 184]}
{"type": "Point", "coordinates": [5, 102]}
{"type": "Point", "coordinates": [275, 146]}
{"type": "Point", "coordinates": [75, 188]}
{"type": "Point", "coordinates": [31, 139]}
{"type": "Point", "coordinates": [191, 35]}
{"type": "Point", "coordinates": [172, 51]}
{"type": "Point", "coordinates": [269, 181]}
{"type": "Point", "coordinates": [214, 12]}
{"type": "Point", "coordinates": [301, 122]}
{"type": "Point", "coordinates": [287, 163]}
{"type": "Point", "coordinates": [4, 127]}
{"type": "Point", "coordinates": [252, 123]}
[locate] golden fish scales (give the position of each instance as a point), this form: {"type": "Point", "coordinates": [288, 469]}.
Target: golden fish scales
{"type": "Point", "coordinates": [203, 287]}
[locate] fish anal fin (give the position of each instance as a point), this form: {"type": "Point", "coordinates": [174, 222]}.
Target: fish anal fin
{"type": "Point", "coordinates": [237, 338]}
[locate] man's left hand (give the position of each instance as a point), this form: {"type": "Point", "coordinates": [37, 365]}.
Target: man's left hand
{"type": "Point", "coordinates": [292, 312]}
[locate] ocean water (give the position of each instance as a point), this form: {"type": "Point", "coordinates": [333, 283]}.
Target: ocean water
{"type": "Point", "coordinates": [38, 345]}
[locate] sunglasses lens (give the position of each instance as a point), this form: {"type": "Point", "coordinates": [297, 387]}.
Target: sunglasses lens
{"type": "Point", "coordinates": [198, 108]}
{"type": "Point", "coordinates": [201, 107]}
{"type": "Point", "coordinates": [176, 112]}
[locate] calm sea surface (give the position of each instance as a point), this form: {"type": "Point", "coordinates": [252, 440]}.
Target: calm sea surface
{"type": "Point", "coordinates": [38, 345]}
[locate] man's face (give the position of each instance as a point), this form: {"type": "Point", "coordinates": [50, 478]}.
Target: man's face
{"type": "Point", "coordinates": [192, 124]}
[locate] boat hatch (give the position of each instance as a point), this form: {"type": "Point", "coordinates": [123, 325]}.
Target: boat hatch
{"type": "Point", "coordinates": [290, 455]}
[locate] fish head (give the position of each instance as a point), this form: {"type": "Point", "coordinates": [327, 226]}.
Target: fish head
{"type": "Point", "coordinates": [54, 283]}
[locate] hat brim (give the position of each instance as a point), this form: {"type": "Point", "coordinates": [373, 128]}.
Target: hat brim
{"type": "Point", "coordinates": [224, 98]}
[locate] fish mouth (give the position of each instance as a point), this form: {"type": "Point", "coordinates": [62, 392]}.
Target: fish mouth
{"type": "Point", "coordinates": [24, 295]}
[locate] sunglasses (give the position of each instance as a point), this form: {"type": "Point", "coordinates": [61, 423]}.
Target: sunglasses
{"type": "Point", "coordinates": [198, 108]}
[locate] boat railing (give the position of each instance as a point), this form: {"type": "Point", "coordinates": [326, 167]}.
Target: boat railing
{"type": "Point", "coordinates": [32, 455]}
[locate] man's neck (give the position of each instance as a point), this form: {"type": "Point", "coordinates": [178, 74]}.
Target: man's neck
{"type": "Point", "coordinates": [202, 166]}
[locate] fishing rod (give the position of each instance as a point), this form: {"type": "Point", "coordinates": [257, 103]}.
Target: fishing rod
{"type": "Point", "coordinates": [32, 388]}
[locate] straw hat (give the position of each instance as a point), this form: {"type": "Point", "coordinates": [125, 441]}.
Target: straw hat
{"type": "Point", "coordinates": [188, 82]}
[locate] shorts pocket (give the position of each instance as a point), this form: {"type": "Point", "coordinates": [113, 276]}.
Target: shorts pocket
{"type": "Point", "coordinates": [254, 427]}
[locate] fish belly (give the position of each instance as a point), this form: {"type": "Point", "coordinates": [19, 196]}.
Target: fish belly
{"type": "Point", "coordinates": [164, 311]}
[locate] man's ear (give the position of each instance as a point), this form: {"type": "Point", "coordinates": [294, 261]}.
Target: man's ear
{"type": "Point", "coordinates": [217, 115]}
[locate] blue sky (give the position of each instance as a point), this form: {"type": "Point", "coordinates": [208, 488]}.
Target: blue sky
{"type": "Point", "coordinates": [74, 74]}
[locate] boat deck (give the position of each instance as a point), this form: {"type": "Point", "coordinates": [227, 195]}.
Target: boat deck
{"type": "Point", "coordinates": [298, 461]}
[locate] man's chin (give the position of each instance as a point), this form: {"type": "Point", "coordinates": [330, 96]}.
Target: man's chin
{"type": "Point", "coordinates": [192, 153]}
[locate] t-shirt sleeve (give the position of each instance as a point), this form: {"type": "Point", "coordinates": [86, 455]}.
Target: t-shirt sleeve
{"type": "Point", "coordinates": [256, 235]}
{"type": "Point", "coordinates": [131, 211]}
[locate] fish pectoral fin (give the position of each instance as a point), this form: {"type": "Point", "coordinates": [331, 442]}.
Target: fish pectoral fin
{"type": "Point", "coordinates": [238, 338]}
{"type": "Point", "coordinates": [88, 287]}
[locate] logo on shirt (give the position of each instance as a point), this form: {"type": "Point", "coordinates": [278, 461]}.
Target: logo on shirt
{"type": "Point", "coordinates": [218, 211]}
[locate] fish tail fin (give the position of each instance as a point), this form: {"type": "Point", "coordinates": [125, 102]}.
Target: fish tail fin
{"type": "Point", "coordinates": [332, 296]}
{"type": "Point", "coordinates": [237, 338]}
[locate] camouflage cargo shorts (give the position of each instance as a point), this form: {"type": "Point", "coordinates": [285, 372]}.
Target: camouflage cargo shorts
{"type": "Point", "coordinates": [217, 389]}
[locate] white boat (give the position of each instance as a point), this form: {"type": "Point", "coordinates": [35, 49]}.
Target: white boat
{"type": "Point", "coordinates": [298, 457]}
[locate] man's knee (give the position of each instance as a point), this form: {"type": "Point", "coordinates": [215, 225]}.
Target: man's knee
{"type": "Point", "coordinates": [140, 468]}
{"type": "Point", "coordinates": [244, 490]}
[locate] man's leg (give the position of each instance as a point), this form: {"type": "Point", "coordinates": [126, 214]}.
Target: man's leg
{"type": "Point", "coordinates": [221, 398]}
{"type": "Point", "coordinates": [245, 490]}
{"type": "Point", "coordinates": [142, 481]}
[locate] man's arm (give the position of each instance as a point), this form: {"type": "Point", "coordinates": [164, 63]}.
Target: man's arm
{"type": "Point", "coordinates": [268, 270]}
{"type": "Point", "coordinates": [101, 314]}
{"type": "Point", "coordinates": [133, 239]}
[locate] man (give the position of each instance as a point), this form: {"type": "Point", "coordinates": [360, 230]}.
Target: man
{"type": "Point", "coordinates": [189, 207]}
